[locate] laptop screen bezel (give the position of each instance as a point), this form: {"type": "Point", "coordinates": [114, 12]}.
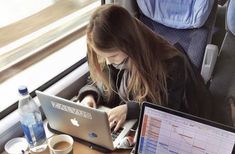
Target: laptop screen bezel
{"type": "Point", "coordinates": [177, 113]}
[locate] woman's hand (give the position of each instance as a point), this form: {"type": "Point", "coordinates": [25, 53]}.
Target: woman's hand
{"type": "Point", "coordinates": [117, 116]}
{"type": "Point", "coordinates": [89, 101]}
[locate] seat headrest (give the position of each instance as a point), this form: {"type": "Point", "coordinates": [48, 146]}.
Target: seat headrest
{"type": "Point", "coordinates": [179, 14]}
{"type": "Point", "coordinates": [231, 16]}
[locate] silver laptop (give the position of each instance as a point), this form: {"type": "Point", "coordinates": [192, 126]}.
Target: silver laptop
{"type": "Point", "coordinates": [162, 130]}
{"type": "Point", "coordinates": [85, 123]}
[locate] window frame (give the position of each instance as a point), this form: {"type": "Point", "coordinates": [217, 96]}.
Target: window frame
{"type": "Point", "coordinates": [10, 125]}
{"type": "Point", "coordinates": [43, 87]}
{"type": "Point", "coordinates": [68, 80]}
{"type": "Point", "coordinates": [52, 81]}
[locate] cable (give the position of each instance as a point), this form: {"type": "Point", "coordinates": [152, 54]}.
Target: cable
{"type": "Point", "coordinates": [116, 86]}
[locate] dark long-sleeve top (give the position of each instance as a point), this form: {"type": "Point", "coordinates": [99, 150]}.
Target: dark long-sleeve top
{"type": "Point", "coordinates": [186, 90]}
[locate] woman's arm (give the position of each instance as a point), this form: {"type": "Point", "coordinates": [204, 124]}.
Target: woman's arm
{"type": "Point", "coordinates": [133, 110]}
{"type": "Point", "coordinates": [91, 90]}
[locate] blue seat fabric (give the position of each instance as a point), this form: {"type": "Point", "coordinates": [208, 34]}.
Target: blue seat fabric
{"type": "Point", "coordinates": [231, 16]}
{"type": "Point", "coordinates": [192, 40]}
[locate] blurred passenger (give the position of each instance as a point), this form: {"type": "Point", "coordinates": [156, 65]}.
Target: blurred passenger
{"type": "Point", "coordinates": [129, 64]}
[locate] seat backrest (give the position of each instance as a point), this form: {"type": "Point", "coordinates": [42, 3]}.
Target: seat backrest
{"type": "Point", "coordinates": [231, 16]}
{"type": "Point", "coordinates": [179, 14]}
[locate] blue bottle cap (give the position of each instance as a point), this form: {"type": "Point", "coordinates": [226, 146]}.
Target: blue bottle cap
{"type": "Point", "coordinates": [23, 90]}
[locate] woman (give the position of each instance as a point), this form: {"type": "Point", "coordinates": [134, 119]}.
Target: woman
{"type": "Point", "coordinates": [130, 64]}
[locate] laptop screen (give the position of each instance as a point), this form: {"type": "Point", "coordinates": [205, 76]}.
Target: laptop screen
{"type": "Point", "coordinates": [162, 130]}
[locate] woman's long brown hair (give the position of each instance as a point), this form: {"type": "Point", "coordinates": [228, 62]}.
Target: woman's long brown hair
{"type": "Point", "coordinates": [112, 27]}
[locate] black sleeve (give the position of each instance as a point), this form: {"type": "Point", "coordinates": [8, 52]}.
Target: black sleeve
{"type": "Point", "coordinates": [176, 84]}
{"type": "Point", "coordinates": [90, 90]}
{"type": "Point", "coordinates": [133, 110]}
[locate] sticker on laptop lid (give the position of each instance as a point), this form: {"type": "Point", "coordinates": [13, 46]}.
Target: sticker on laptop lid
{"type": "Point", "coordinates": [92, 135]}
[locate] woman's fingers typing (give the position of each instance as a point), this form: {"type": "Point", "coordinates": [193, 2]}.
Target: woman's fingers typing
{"type": "Point", "coordinates": [118, 125]}
{"type": "Point", "coordinates": [117, 116]}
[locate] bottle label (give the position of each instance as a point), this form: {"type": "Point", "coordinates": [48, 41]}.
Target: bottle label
{"type": "Point", "coordinates": [27, 133]}
{"type": "Point", "coordinates": [34, 133]}
{"type": "Point", "coordinates": [39, 131]}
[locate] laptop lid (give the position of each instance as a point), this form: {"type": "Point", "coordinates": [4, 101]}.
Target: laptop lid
{"type": "Point", "coordinates": [83, 122]}
{"type": "Point", "coordinates": [163, 130]}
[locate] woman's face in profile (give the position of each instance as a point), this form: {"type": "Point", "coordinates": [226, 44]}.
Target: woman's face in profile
{"type": "Point", "coordinates": [112, 57]}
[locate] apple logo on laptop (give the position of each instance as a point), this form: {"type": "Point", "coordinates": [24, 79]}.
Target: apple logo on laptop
{"type": "Point", "coordinates": [74, 122]}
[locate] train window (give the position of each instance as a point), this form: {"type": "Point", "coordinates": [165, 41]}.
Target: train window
{"type": "Point", "coordinates": [39, 40]}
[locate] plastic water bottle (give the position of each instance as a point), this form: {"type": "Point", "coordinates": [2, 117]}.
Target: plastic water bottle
{"type": "Point", "coordinates": [31, 121]}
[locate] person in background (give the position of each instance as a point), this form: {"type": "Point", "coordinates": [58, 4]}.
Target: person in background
{"type": "Point", "coordinates": [129, 64]}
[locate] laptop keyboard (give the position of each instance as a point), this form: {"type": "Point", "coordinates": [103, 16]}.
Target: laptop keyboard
{"type": "Point", "coordinates": [115, 134]}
